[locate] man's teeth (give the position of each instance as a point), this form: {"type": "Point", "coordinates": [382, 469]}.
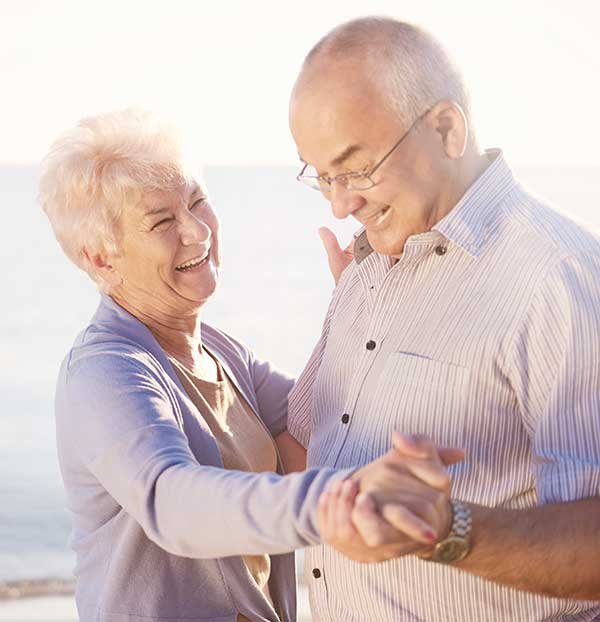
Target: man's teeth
{"type": "Point", "coordinates": [192, 263]}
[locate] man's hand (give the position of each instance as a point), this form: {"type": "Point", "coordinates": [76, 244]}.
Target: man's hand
{"type": "Point", "coordinates": [403, 506]}
{"type": "Point", "coordinates": [337, 258]}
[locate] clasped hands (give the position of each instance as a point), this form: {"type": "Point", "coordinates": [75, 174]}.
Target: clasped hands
{"type": "Point", "coordinates": [396, 505]}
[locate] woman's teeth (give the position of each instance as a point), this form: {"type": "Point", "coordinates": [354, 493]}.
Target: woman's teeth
{"type": "Point", "coordinates": [193, 263]}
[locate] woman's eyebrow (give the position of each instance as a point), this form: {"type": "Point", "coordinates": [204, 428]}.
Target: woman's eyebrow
{"type": "Point", "coordinates": [156, 210]}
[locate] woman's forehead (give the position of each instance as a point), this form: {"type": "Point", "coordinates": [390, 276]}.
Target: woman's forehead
{"type": "Point", "coordinates": [181, 192]}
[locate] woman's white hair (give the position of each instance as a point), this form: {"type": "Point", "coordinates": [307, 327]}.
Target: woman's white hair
{"type": "Point", "coordinates": [98, 167]}
{"type": "Point", "coordinates": [410, 65]}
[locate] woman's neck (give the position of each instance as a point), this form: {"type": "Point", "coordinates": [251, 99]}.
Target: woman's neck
{"type": "Point", "coordinates": [178, 332]}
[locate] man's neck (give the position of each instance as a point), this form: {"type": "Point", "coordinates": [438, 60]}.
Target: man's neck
{"type": "Point", "coordinates": [469, 168]}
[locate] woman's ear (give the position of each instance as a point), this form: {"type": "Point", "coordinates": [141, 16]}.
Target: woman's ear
{"type": "Point", "coordinates": [100, 265]}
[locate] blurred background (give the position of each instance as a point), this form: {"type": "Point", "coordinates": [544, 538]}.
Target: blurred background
{"type": "Point", "coordinates": [223, 72]}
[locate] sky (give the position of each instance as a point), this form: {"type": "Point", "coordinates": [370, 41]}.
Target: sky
{"type": "Point", "coordinates": [223, 70]}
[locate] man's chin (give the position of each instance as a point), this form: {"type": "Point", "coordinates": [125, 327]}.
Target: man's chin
{"type": "Point", "coordinates": [385, 244]}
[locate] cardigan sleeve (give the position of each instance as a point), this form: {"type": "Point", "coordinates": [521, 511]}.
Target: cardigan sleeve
{"type": "Point", "coordinates": [122, 424]}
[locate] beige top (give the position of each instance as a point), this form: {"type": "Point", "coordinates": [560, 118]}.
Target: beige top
{"type": "Point", "coordinates": [244, 442]}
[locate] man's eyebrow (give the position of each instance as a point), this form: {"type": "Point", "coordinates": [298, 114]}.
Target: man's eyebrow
{"type": "Point", "coordinates": [348, 151]}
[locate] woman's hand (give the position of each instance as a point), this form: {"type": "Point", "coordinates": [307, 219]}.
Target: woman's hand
{"type": "Point", "coordinates": [336, 509]}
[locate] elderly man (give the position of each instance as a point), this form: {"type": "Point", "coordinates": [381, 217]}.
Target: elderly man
{"type": "Point", "coordinates": [471, 315]}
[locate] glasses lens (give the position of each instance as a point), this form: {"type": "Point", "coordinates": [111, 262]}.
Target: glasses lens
{"type": "Point", "coordinates": [310, 177]}
{"type": "Point", "coordinates": [358, 181]}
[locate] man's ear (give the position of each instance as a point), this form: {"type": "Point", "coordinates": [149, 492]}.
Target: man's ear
{"type": "Point", "coordinates": [452, 126]}
{"type": "Point", "coordinates": [101, 265]}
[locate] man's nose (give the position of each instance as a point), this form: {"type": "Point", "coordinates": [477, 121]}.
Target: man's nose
{"type": "Point", "coordinates": [343, 201]}
{"type": "Point", "coordinates": [194, 231]}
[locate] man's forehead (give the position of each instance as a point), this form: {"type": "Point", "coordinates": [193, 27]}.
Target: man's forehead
{"type": "Point", "coordinates": [332, 127]}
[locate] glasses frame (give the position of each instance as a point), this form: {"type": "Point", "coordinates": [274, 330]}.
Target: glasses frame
{"type": "Point", "coordinates": [316, 181]}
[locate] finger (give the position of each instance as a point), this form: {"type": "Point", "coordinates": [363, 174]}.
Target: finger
{"type": "Point", "coordinates": [410, 445]}
{"type": "Point", "coordinates": [431, 473]}
{"type": "Point", "coordinates": [343, 511]}
{"type": "Point", "coordinates": [322, 513]}
{"type": "Point", "coordinates": [451, 455]}
{"type": "Point", "coordinates": [373, 529]}
{"type": "Point", "coordinates": [326, 509]}
{"type": "Point", "coordinates": [408, 523]}
{"type": "Point", "coordinates": [337, 258]}
{"type": "Point", "coordinates": [330, 242]}
{"type": "Point", "coordinates": [414, 445]}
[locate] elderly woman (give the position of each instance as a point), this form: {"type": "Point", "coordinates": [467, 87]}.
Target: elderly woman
{"type": "Point", "coordinates": [171, 434]}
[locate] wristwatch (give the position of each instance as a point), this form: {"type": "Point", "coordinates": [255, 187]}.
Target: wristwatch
{"type": "Point", "coordinates": [456, 545]}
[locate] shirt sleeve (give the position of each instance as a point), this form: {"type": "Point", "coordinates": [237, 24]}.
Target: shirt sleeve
{"type": "Point", "coordinates": [558, 380]}
{"type": "Point", "coordinates": [117, 417]}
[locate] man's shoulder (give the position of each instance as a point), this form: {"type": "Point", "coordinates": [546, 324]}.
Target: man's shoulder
{"type": "Point", "coordinates": [545, 227]}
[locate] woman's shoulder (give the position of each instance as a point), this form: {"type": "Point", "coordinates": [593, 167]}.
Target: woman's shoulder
{"type": "Point", "coordinates": [228, 347]}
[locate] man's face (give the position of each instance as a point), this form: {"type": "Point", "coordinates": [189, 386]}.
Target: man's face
{"type": "Point", "coordinates": [341, 125]}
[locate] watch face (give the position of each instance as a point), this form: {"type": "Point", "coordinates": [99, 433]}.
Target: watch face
{"type": "Point", "coordinates": [451, 550]}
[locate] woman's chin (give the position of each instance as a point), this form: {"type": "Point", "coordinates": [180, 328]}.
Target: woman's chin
{"type": "Point", "coordinates": [201, 293]}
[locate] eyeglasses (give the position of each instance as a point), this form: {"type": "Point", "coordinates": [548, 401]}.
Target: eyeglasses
{"type": "Point", "coordinates": [353, 180]}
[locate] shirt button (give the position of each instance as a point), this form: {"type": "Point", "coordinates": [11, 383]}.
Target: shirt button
{"type": "Point", "coordinates": [371, 344]}
{"type": "Point", "coordinates": [440, 250]}
{"type": "Point", "coordinates": [316, 573]}
{"type": "Point", "coordinates": [345, 418]}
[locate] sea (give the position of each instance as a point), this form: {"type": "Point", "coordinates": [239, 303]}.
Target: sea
{"type": "Point", "coordinates": [274, 292]}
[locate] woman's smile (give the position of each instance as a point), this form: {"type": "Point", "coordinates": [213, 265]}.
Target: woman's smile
{"type": "Point", "coordinates": [194, 264]}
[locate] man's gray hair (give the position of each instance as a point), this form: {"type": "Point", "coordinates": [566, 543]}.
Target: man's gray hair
{"type": "Point", "coordinates": [407, 61]}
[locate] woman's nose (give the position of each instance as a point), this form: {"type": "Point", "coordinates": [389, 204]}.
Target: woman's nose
{"type": "Point", "coordinates": [194, 231]}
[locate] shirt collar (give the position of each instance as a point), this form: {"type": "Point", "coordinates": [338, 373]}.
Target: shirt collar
{"type": "Point", "coordinates": [467, 223]}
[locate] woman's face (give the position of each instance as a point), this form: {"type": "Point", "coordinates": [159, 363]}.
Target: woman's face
{"type": "Point", "coordinates": [169, 259]}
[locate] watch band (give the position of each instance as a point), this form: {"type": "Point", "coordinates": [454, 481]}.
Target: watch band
{"type": "Point", "coordinates": [461, 519]}
{"type": "Point", "coordinates": [456, 545]}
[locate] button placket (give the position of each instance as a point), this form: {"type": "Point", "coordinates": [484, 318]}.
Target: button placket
{"type": "Point", "coordinates": [378, 325]}
{"type": "Point", "coordinates": [314, 561]}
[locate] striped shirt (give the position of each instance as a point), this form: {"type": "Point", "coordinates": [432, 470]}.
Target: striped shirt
{"type": "Point", "coordinates": [484, 335]}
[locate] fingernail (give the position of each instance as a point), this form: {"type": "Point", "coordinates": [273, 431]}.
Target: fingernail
{"type": "Point", "coordinates": [431, 535]}
{"type": "Point", "coordinates": [364, 501]}
{"type": "Point", "coordinates": [347, 487]}
{"type": "Point", "coordinates": [337, 486]}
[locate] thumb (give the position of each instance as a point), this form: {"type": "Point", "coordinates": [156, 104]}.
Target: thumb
{"type": "Point", "coordinates": [330, 242]}
{"type": "Point", "coordinates": [416, 446]}
{"type": "Point", "coordinates": [336, 257]}
{"type": "Point", "coordinates": [451, 455]}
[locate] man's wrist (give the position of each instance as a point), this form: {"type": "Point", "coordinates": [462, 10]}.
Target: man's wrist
{"type": "Point", "coordinates": [456, 544]}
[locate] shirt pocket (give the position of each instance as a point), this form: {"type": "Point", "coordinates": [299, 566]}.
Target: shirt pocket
{"type": "Point", "coordinates": [421, 395]}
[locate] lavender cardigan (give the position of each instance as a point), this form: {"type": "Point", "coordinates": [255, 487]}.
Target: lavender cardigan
{"type": "Point", "coordinates": [158, 525]}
